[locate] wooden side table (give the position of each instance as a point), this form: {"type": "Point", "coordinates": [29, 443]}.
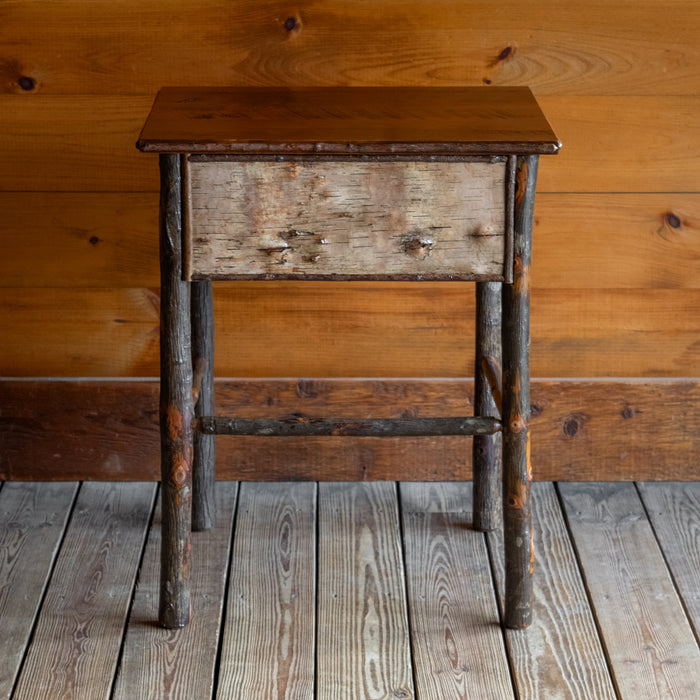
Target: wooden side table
{"type": "Point", "coordinates": [346, 184]}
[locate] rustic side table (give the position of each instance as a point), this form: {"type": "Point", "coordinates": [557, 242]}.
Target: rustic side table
{"type": "Point", "coordinates": [346, 184]}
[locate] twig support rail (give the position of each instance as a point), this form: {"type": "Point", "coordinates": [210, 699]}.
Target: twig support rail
{"type": "Point", "coordinates": [304, 426]}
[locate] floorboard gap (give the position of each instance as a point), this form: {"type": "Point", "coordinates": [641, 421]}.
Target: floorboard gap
{"type": "Point", "coordinates": [584, 578]}
{"type": "Point", "coordinates": [696, 633]}
{"type": "Point", "coordinates": [139, 567]}
{"type": "Point", "coordinates": [224, 604]}
{"type": "Point", "coordinates": [494, 583]}
{"type": "Point", "coordinates": [47, 585]}
{"type": "Point", "coordinates": [317, 556]}
{"type": "Point", "coordinates": [405, 586]}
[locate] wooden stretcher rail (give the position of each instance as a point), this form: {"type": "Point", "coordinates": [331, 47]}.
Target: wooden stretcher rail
{"type": "Point", "coordinates": [305, 426]}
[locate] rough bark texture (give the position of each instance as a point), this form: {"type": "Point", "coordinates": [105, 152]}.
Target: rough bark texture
{"type": "Point", "coordinates": [347, 219]}
{"type": "Point", "coordinates": [299, 425]}
{"type": "Point", "coordinates": [517, 474]}
{"type": "Point", "coordinates": [176, 412]}
{"type": "Point", "coordinates": [487, 448]}
{"type": "Point", "coordinates": [204, 463]}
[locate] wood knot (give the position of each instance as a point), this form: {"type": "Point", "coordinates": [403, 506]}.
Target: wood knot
{"type": "Point", "coordinates": [572, 424]}
{"type": "Point", "coordinates": [672, 220]}
{"type": "Point", "coordinates": [277, 253]}
{"type": "Point", "coordinates": [26, 83]}
{"type": "Point", "coordinates": [418, 248]}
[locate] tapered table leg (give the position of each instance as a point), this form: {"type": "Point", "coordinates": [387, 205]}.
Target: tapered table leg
{"type": "Point", "coordinates": [204, 468]}
{"type": "Point", "coordinates": [517, 473]}
{"type": "Point", "coordinates": [176, 413]}
{"type": "Point", "coordinates": [487, 448]}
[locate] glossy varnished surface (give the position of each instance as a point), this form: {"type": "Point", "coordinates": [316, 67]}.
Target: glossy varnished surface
{"type": "Point", "coordinates": [345, 121]}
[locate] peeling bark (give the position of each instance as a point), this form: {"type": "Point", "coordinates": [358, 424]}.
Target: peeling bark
{"type": "Point", "coordinates": [517, 471]}
{"type": "Point", "coordinates": [176, 412]}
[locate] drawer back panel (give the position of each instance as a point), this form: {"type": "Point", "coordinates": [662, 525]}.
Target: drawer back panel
{"type": "Point", "coordinates": [359, 219]}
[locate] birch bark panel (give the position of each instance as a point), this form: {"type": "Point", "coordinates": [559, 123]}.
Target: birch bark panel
{"type": "Point", "coordinates": [180, 664]}
{"type": "Point", "coordinates": [355, 219]}
{"type": "Point", "coordinates": [559, 656]}
{"type": "Point", "coordinates": [268, 645]}
{"type": "Point", "coordinates": [652, 652]}
{"type": "Point", "coordinates": [458, 646]}
{"type": "Point", "coordinates": [33, 518]}
{"type": "Point", "coordinates": [106, 240]}
{"type": "Point", "coordinates": [78, 636]}
{"type": "Point", "coordinates": [363, 640]}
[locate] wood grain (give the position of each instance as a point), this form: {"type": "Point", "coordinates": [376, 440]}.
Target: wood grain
{"type": "Point", "coordinates": [641, 144]}
{"type": "Point", "coordinates": [47, 240]}
{"type": "Point", "coordinates": [384, 121]}
{"type": "Point", "coordinates": [606, 241]}
{"type": "Point", "coordinates": [632, 592]}
{"type": "Point", "coordinates": [350, 330]}
{"type": "Point", "coordinates": [347, 219]}
{"type": "Point", "coordinates": [560, 655]}
{"type": "Point", "coordinates": [581, 430]}
{"type": "Point", "coordinates": [157, 663]}
{"type": "Point", "coordinates": [606, 48]}
{"type": "Point", "coordinates": [270, 616]}
{"type": "Point", "coordinates": [631, 144]}
{"type": "Point", "coordinates": [362, 644]}
{"type": "Point", "coordinates": [33, 518]}
{"type": "Point", "coordinates": [674, 512]}
{"type": "Point", "coordinates": [83, 239]}
{"type": "Point", "coordinates": [457, 644]}
{"type": "Point", "coordinates": [78, 635]}
{"type": "Point", "coordinates": [86, 145]}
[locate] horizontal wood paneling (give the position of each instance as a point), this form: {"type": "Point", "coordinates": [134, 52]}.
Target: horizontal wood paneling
{"type": "Point", "coordinates": [582, 430]}
{"type": "Point", "coordinates": [582, 241]}
{"type": "Point", "coordinates": [350, 330]}
{"type": "Point", "coordinates": [611, 144]}
{"type": "Point", "coordinates": [616, 236]}
{"type": "Point", "coordinates": [606, 241]}
{"type": "Point", "coordinates": [632, 144]}
{"type": "Point", "coordinates": [83, 239]}
{"type": "Point", "coordinates": [596, 47]}
{"type": "Point", "coordinates": [75, 143]}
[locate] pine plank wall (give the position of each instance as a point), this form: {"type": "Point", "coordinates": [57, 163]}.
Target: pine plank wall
{"type": "Point", "coordinates": [616, 283]}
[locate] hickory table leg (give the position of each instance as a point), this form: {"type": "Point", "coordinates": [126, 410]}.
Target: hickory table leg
{"type": "Point", "coordinates": [487, 379]}
{"type": "Point", "coordinates": [176, 411]}
{"type": "Point", "coordinates": [203, 468]}
{"type": "Point", "coordinates": [517, 472]}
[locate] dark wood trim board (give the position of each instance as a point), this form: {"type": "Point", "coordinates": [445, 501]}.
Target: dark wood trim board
{"type": "Point", "coordinates": [582, 430]}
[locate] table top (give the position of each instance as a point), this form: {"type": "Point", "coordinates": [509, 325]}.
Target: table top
{"type": "Point", "coordinates": [340, 121]}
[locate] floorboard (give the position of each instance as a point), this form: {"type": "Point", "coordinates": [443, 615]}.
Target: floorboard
{"type": "Point", "coordinates": [559, 656]}
{"type": "Point", "coordinates": [363, 648]}
{"type": "Point", "coordinates": [160, 664]}
{"type": "Point", "coordinates": [674, 512]}
{"type": "Point", "coordinates": [458, 648]}
{"type": "Point", "coordinates": [268, 649]}
{"type": "Point", "coordinates": [333, 591]}
{"type": "Point", "coordinates": [79, 632]}
{"type": "Point", "coordinates": [651, 648]}
{"type": "Point", "coordinates": [33, 518]}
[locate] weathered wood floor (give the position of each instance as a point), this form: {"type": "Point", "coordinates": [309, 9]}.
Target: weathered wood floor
{"type": "Point", "coordinates": [365, 590]}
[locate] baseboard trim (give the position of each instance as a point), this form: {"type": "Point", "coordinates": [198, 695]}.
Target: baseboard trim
{"type": "Point", "coordinates": [582, 430]}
